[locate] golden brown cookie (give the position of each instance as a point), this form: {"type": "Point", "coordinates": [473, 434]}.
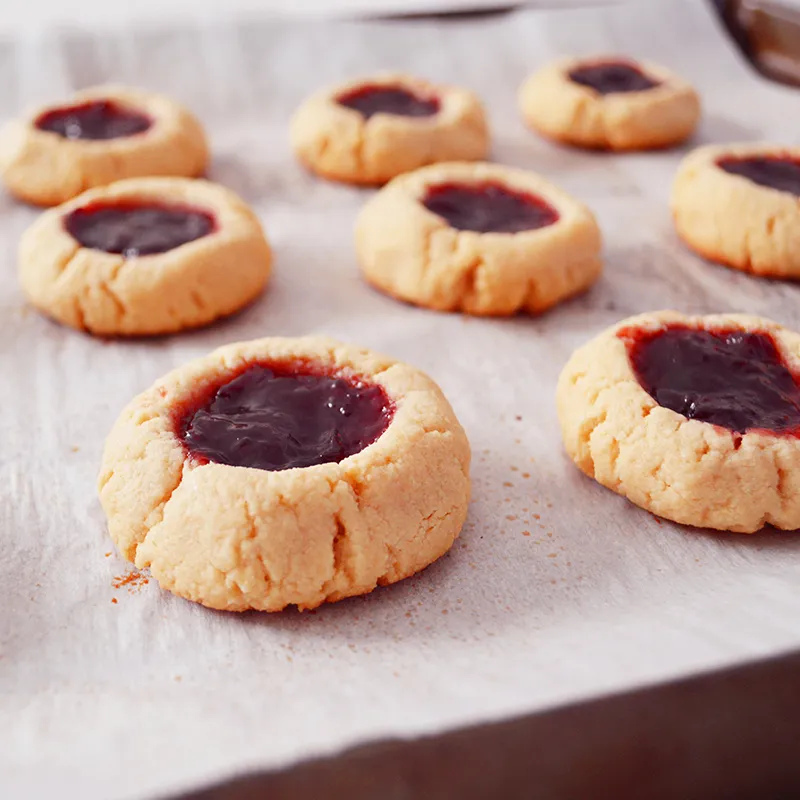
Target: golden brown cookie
{"type": "Point", "coordinates": [479, 238]}
{"type": "Point", "coordinates": [145, 256]}
{"type": "Point", "coordinates": [609, 103]}
{"type": "Point", "coordinates": [101, 135]}
{"type": "Point", "coordinates": [696, 419]}
{"type": "Point", "coordinates": [369, 130]}
{"type": "Point", "coordinates": [285, 472]}
{"type": "Point", "coordinates": [738, 205]}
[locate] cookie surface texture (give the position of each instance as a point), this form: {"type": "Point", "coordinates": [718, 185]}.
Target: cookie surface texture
{"type": "Point", "coordinates": [237, 537]}
{"type": "Point", "coordinates": [652, 108]}
{"type": "Point", "coordinates": [344, 135]}
{"type": "Point", "coordinates": [180, 254]}
{"type": "Point", "coordinates": [730, 458]}
{"type": "Point", "coordinates": [738, 205]}
{"type": "Point", "coordinates": [98, 136]}
{"type": "Point", "coordinates": [479, 238]}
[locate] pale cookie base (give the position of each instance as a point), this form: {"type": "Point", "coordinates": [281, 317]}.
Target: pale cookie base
{"type": "Point", "coordinates": [688, 471]}
{"type": "Point", "coordinates": [574, 114]}
{"type": "Point", "coordinates": [416, 256]}
{"type": "Point", "coordinates": [44, 168]}
{"type": "Point", "coordinates": [729, 219]}
{"type": "Point", "coordinates": [340, 144]}
{"type": "Point", "coordinates": [236, 538]}
{"type": "Point", "coordinates": [186, 287]}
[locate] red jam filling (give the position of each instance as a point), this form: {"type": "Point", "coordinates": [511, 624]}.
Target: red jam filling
{"type": "Point", "coordinates": [488, 207]}
{"type": "Point", "coordinates": [97, 119]}
{"type": "Point", "coordinates": [281, 416]}
{"type": "Point", "coordinates": [774, 172]}
{"type": "Point", "coordinates": [136, 228]}
{"type": "Point", "coordinates": [369, 100]}
{"type": "Point", "coordinates": [729, 377]}
{"type": "Point", "coordinates": [612, 77]}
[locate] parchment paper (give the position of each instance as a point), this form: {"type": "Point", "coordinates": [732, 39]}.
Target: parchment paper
{"type": "Point", "coordinates": [557, 589]}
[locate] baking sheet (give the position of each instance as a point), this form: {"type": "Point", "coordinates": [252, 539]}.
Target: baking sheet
{"type": "Point", "coordinates": [99, 13]}
{"type": "Point", "coordinates": [557, 589]}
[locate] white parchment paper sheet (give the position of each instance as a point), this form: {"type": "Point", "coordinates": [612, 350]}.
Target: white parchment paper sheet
{"type": "Point", "coordinates": [557, 589]}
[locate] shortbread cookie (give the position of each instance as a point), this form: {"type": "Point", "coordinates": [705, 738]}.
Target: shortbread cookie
{"type": "Point", "coordinates": [610, 103]}
{"type": "Point", "coordinates": [738, 205]}
{"type": "Point", "coordinates": [478, 238]}
{"type": "Point", "coordinates": [696, 419]}
{"type": "Point", "coordinates": [100, 136]}
{"type": "Point", "coordinates": [285, 472]}
{"type": "Point", "coordinates": [145, 256]}
{"type": "Point", "coordinates": [370, 130]}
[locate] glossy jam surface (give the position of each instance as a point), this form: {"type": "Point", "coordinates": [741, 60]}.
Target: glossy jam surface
{"type": "Point", "coordinates": [137, 229]}
{"type": "Point", "coordinates": [731, 378]}
{"type": "Point", "coordinates": [277, 417]}
{"type": "Point", "coordinates": [488, 208]}
{"type": "Point", "coordinates": [774, 172]}
{"type": "Point", "coordinates": [612, 77]}
{"type": "Point", "coordinates": [369, 100]}
{"type": "Point", "coordinates": [99, 119]}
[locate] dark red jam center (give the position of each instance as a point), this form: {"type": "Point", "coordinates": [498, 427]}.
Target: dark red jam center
{"type": "Point", "coordinates": [137, 229]}
{"type": "Point", "coordinates": [731, 378]}
{"type": "Point", "coordinates": [774, 172]}
{"type": "Point", "coordinates": [282, 416]}
{"type": "Point", "coordinates": [612, 77]}
{"type": "Point", "coordinates": [369, 100]}
{"type": "Point", "coordinates": [99, 119]}
{"type": "Point", "coordinates": [488, 208]}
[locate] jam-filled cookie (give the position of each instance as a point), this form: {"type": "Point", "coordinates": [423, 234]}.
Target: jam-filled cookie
{"type": "Point", "coordinates": [696, 419]}
{"type": "Point", "coordinates": [285, 472]}
{"type": "Point", "coordinates": [370, 130]}
{"type": "Point", "coordinates": [478, 238]}
{"type": "Point", "coordinates": [99, 136]}
{"type": "Point", "coordinates": [738, 205]}
{"type": "Point", "coordinates": [145, 256]}
{"type": "Point", "coordinates": [609, 103]}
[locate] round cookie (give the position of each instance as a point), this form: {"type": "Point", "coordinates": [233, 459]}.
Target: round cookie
{"type": "Point", "coordinates": [145, 256]}
{"type": "Point", "coordinates": [479, 238]}
{"type": "Point", "coordinates": [368, 131]}
{"type": "Point", "coordinates": [738, 205]}
{"type": "Point", "coordinates": [696, 419]}
{"type": "Point", "coordinates": [99, 136]}
{"type": "Point", "coordinates": [609, 103]}
{"type": "Point", "coordinates": [285, 472]}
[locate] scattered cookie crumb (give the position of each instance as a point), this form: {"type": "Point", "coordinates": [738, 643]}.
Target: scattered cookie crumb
{"type": "Point", "coordinates": [108, 554]}
{"type": "Point", "coordinates": [507, 483]}
{"type": "Point", "coordinates": [511, 517]}
{"type": "Point", "coordinates": [114, 600]}
{"type": "Point", "coordinates": [526, 533]}
{"type": "Point", "coordinates": [134, 581]}
{"type": "Point", "coordinates": [526, 474]}
{"type": "Point", "coordinates": [74, 448]}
